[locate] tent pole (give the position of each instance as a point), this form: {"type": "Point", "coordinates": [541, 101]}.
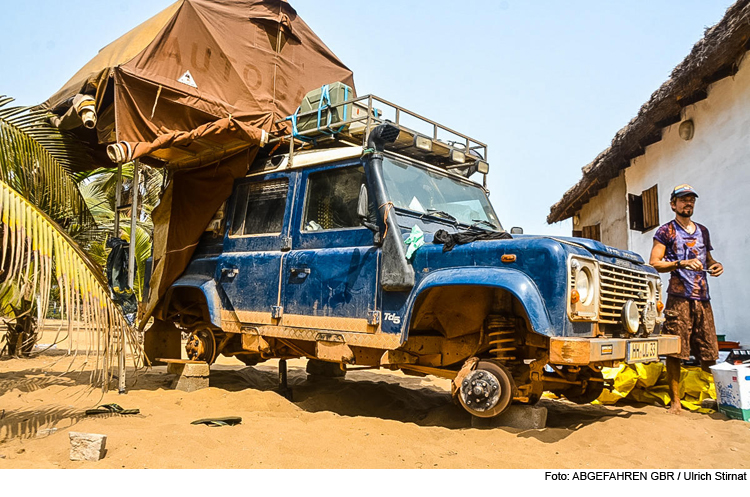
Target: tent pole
{"type": "Point", "coordinates": [133, 221]}
{"type": "Point", "coordinates": [118, 199]}
{"type": "Point", "coordinates": [134, 188]}
{"type": "Point", "coordinates": [116, 234]}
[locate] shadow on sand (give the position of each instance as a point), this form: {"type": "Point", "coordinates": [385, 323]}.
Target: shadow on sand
{"type": "Point", "coordinates": [361, 394]}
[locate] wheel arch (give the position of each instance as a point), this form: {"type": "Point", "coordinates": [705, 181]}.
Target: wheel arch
{"type": "Point", "coordinates": [203, 285]}
{"type": "Point", "coordinates": [518, 284]}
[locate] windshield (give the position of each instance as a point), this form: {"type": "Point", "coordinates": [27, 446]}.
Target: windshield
{"type": "Point", "coordinates": [426, 192]}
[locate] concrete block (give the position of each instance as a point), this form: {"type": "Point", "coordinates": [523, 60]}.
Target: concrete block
{"type": "Point", "coordinates": [190, 383]}
{"type": "Point", "coordinates": [87, 446]}
{"type": "Point", "coordinates": [191, 376]}
{"type": "Point", "coordinates": [520, 417]}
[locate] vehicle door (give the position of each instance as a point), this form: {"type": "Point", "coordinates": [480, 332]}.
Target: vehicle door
{"type": "Point", "coordinates": [258, 236]}
{"type": "Point", "coordinates": [331, 274]}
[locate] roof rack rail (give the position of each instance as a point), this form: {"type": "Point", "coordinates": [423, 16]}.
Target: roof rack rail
{"type": "Point", "coordinates": [419, 137]}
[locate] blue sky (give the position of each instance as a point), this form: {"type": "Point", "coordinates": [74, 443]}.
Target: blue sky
{"type": "Point", "coordinates": [546, 84]}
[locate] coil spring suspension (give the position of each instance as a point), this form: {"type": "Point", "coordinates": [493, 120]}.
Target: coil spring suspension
{"type": "Point", "coordinates": [500, 332]}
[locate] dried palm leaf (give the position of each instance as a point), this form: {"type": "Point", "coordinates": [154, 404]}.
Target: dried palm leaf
{"type": "Point", "coordinates": [35, 250]}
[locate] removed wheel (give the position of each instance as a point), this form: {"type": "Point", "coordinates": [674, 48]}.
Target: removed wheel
{"type": "Point", "coordinates": [487, 390]}
{"type": "Point", "coordinates": [201, 345]}
{"type": "Point", "coordinates": [591, 388]}
{"type": "Point", "coordinates": [324, 369]}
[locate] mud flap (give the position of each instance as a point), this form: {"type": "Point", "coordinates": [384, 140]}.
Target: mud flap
{"type": "Point", "coordinates": [162, 340]}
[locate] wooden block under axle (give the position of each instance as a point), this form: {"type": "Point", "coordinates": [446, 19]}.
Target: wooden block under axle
{"type": "Point", "coordinates": [191, 375]}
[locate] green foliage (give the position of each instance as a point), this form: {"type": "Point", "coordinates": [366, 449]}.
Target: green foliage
{"type": "Point", "coordinates": [36, 160]}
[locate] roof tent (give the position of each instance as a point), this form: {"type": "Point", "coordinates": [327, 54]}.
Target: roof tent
{"type": "Point", "coordinates": [200, 84]}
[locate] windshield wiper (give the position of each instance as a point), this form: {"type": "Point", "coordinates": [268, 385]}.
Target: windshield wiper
{"type": "Point", "coordinates": [443, 214]}
{"type": "Point", "coordinates": [477, 222]}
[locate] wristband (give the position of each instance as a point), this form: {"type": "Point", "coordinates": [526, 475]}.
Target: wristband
{"type": "Point", "coordinates": [679, 264]}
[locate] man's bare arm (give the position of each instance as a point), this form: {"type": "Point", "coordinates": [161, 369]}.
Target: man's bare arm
{"type": "Point", "coordinates": [714, 267]}
{"type": "Point", "coordinates": [657, 254]}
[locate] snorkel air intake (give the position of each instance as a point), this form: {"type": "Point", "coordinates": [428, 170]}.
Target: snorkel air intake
{"type": "Point", "coordinates": [396, 274]}
{"type": "Point", "coordinates": [385, 133]}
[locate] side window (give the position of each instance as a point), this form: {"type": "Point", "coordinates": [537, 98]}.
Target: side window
{"type": "Point", "coordinates": [331, 201]}
{"type": "Point", "coordinates": [259, 208]}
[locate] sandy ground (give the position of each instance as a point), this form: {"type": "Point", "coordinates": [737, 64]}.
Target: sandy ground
{"type": "Point", "coordinates": [370, 419]}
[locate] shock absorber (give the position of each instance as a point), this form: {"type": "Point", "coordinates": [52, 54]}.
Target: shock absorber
{"type": "Point", "coordinates": [500, 332]}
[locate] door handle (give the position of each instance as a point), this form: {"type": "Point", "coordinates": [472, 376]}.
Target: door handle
{"type": "Point", "coordinates": [300, 272]}
{"type": "Point", "coordinates": [229, 272]}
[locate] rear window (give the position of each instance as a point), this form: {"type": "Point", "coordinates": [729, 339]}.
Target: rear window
{"type": "Point", "coordinates": [259, 208]}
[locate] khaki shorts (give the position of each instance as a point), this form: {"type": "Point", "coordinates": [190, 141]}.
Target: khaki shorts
{"type": "Point", "coordinates": [693, 321]}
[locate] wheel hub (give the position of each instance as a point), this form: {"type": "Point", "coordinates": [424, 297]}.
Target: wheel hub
{"type": "Point", "coordinates": [201, 346]}
{"type": "Point", "coordinates": [480, 390]}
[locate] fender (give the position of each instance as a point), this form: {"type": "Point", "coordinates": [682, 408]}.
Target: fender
{"type": "Point", "coordinates": [205, 284]}
{"type": "Point", "coordinates": [512, 280]}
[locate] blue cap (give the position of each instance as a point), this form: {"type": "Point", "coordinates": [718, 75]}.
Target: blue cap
{"type": "Point", "coordinates": [682, 190]}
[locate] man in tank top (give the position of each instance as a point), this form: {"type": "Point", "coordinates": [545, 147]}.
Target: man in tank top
{"type": "Point", "coordinates": [683, 247]}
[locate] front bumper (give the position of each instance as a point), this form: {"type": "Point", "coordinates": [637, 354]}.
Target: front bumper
{"type": "Point", "coordinates": [583, 351]}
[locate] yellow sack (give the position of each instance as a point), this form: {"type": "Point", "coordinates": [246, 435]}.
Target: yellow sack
{"type": "Point", "coordinates": [647, 383]}
{"type": "Point", "coordinates": [649, 373]}
{"type": "Point", "coordinates": [656, 395]}
{"type": "Point", "coordinates": [695, 386]}
{"type": "Point", "coordinates": [624, 379]}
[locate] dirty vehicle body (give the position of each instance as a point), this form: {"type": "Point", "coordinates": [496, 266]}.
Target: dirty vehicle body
{"type": "Point", "coordinates": [308, 260]}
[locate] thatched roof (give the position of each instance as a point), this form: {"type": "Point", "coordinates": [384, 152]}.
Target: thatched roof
{"type": "Point", "coordinates": [716, 56]}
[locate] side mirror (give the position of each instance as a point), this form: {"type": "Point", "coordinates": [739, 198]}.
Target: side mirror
{"type": "Point", "coordinates": [363, 209]}
{"type": "Point", "coordinates": [516, 230]}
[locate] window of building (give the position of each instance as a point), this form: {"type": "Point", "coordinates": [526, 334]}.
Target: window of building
{"type": "Point", "coordinates": [644, 209]}
{"type": "Point", "coordinates": [592, 232]}
{"type": "Point", "coordinates": [332, 198]}
{"type": "Point", "coordinates": [259, 208]}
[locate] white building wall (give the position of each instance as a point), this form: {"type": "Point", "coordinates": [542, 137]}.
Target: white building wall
{"type": "Point", "coordinates": [716, 162]}
{"type": "Point", "coordinates": [608, 209]}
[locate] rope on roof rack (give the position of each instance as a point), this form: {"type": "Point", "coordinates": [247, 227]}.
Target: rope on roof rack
{"type": "Point", "coordinates": [323, 103]}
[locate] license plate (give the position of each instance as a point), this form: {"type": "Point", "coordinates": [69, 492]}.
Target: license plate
{"type": "Point", "coordinates": [642, 351]}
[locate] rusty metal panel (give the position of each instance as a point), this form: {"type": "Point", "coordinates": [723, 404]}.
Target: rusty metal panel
{"type": "Point", "coordinates": [383, 341]}
{"type": "Point", "coordinates": [337, 352]}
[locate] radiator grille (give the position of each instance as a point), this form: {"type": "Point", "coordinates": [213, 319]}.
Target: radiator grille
{"type": "Point", "coordinates": [618, 285]}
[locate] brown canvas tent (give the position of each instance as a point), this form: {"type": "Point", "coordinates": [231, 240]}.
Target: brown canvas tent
{"type": "Point", "coordinates": [194, 89]}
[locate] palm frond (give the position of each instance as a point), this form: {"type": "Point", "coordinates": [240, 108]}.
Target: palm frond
{"type": "Point", "coordinates": [34, 250]}
{"type": "Point", "coordinates": [36, 160]}
{"type": "Point", "coordinates": [142, 252]}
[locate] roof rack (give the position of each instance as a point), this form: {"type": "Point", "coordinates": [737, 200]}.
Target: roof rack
{"type": "Point", "coordinates": [419, 137]}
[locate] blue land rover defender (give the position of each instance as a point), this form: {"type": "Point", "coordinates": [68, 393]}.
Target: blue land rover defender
{"type": "Point", "coordinates": [309, 259]}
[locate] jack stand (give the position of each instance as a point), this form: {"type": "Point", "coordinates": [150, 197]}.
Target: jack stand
{"type": "Point", "coordinates": [284, 389]}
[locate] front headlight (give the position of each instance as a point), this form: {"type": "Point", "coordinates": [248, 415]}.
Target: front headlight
{"type": "Point", "coordinates": [584, 286]}
{"type": "Point", "coordinates": [583, 289]}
